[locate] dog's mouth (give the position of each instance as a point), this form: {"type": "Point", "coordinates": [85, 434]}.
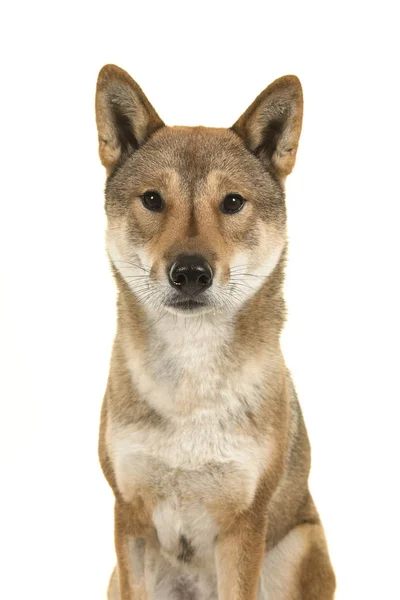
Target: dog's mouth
{"type": "Point", "coordinates": [187, 305]}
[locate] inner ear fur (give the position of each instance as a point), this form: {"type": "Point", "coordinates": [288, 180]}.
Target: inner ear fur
{"type": "Point", "coordinates": [271, 126]}
{"type": "Point", "coordinates": [124, 116]}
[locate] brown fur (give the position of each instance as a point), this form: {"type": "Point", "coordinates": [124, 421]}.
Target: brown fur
{"type": "Point", "coordinates": [258, 504]}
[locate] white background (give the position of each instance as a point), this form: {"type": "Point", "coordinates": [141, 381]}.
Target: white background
{"type": "Point", "coordinates": [199, 63]}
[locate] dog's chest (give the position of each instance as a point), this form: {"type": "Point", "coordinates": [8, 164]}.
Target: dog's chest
{"type": "Point", "coordinates": [193, 470]}
{"type": "Point", "coordinates": [200, 461]}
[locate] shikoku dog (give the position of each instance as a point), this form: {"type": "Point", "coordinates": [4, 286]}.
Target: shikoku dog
{"type": "Point", "coordinates": [202, 438]}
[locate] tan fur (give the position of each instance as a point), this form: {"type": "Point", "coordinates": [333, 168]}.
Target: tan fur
{"type": "Point", "coordinates": [116, 87]}
{"type": "Point", "coordinates": [202, 438]}
{"type": "Point", "coordinates": [284, 94]}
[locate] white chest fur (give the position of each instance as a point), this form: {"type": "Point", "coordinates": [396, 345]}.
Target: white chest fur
{"type": "Point", "coordinates": [200, 455]}
{"type": "Point", "coordinates": [187, 464]}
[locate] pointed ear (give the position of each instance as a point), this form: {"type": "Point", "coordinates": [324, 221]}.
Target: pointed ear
{"type": "Point", "coordinates": [125, 118]}
{"type": "Point", "coordinates": [271, 126]}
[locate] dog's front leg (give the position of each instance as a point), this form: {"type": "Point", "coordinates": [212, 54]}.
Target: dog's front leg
{"type": "Point", "coordinates": [239, 553]}
{"type": "Point", "coordinates": [131, 577]}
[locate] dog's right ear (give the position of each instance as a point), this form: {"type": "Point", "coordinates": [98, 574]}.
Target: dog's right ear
{"type": "Point", "coordinates": [125, 118]}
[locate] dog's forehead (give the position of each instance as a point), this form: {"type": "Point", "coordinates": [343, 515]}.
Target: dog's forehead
{"type": "Point", "coordinates": [197, 142]}
{"type": "Point", "coordinates": [194, 152]}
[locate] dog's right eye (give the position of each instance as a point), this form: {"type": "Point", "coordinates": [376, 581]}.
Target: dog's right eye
{"type": "Point", "coordinates": [152, 201]}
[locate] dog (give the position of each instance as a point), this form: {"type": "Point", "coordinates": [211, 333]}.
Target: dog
{"type": "Point", "coordinates": [202, 439]}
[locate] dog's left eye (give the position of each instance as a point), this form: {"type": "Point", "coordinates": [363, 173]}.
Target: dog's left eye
{"type": "Point", "coordinates": [152, 201]}
{"type": "Point", "coordinates": [232, 203]}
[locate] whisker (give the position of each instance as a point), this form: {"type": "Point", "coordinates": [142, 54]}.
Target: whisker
{"type": "Point", "coordinates": [133, 265]}
{"type": "Point", "coordinates": [238, 267]}
{"type": "Point", "coordinates": [200, 324]}
{"type": "Point", "coordinates": [239, 275]}
{"type": "Point", "coordinates": [158, 320]}
{"type": "Point", "coordinates": [243, 284]}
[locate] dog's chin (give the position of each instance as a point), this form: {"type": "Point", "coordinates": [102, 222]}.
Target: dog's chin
{"type": "Point", "coordinates": [188, 307]}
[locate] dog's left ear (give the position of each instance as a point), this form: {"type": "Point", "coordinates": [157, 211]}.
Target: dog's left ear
{"type": "Point", "coordinates": [271, 126]}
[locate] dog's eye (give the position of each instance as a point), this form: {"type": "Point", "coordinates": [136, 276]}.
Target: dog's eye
{"type": "Point", "coordinates": [152, 201]}
{"type": "Point", "coordinates": [232, 203]}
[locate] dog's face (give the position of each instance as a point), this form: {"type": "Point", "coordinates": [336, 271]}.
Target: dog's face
{"type": "Point", "coordinates": [196, 216]}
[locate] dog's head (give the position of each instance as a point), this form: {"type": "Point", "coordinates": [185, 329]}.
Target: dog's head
{"type": "Point", "coordinates": [196, 215]}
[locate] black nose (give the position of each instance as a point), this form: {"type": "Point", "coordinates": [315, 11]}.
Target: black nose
{"type": "Point", "coordinates": [190, 274]}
